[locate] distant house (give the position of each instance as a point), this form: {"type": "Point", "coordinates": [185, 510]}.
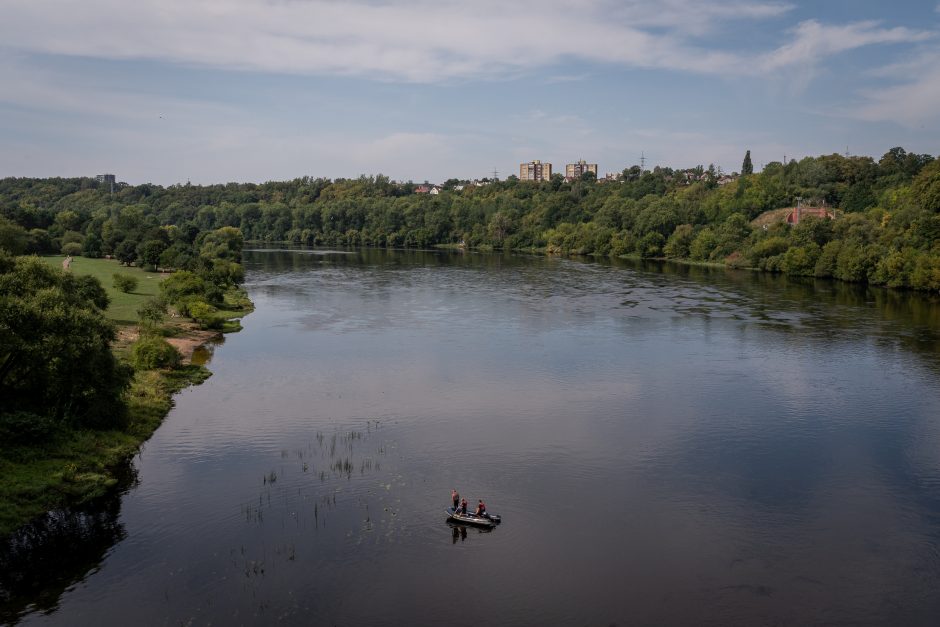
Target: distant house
{"type": "Point", "coordinates": [435, 190]}
{"type": "Point", "coordinates": [423, 189]}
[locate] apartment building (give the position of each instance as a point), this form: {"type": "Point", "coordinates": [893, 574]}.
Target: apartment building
{"type": "Point", "coordinates": [535, 171]}
{"type": "Point", "coordinates": [573, 171]}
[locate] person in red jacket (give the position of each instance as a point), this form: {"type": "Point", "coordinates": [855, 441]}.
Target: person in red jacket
{"type": "Point", "coordinates": [463, 507]}
{"type": "Point", "coordinates": [481, 508]}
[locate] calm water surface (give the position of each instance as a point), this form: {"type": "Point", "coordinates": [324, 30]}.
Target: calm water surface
{"type": "Point", "coordinates": [666, 446]}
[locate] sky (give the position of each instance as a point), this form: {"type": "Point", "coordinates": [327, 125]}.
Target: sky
{"type": "Point", "coordinates": [215, 91]}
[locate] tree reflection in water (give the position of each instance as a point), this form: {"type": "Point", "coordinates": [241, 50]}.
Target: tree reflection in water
{"type": "Point", "coordinates": [46, 557]}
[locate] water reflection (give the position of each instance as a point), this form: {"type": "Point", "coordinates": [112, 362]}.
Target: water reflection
{"type": "Point", "coordinates": [543, 293]}
{"type": "Point", "coordinates": [459, 532]}
{"type": "Point", "coordinates": [43, 559]}
{"type": "Point", "coordinates": [202, 354]}
{"type": "Point", "coordinates": [670, 445]}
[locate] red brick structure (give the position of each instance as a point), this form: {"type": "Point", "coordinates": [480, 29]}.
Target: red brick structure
{"type": "Point", "coordinates": [799, 212]}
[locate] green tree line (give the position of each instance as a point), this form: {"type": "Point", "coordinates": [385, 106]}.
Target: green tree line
{"type": "Point", "coordinates": [886, 230]}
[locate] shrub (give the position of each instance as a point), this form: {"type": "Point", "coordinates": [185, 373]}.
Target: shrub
{"type": "Point", "coordinates": [125, 283]}
{"type": "Point", "coordinates": [800, 260]}
{"type": "Point", "coordinates": [769, 247]}
{"type": "Point", "coordinates": [181, 284]}
{"type": "Point", "coordinates": [622, 243]}
{"type": "Point", "coordinates": [651, 244]}
{"type": "Point", "coordinates": [702, 246]}
{"type": "Point", "coordinates": [23, 427]}
{"type": "Point", "coordinates": [152, 352]}
{"type": "Point", "coordinates": [679, 242]}
{"type": "Point", "coordinates": [203, 313]}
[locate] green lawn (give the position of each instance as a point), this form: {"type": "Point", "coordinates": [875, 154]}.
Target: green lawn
{"type": "Point", "coordinates": [123, 308]}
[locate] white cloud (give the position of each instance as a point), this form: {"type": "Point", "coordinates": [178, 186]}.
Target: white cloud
{"type": "Point", "coordinates": [813, 41]}
{"type": "Point", "coordinates": [421, 40]}
{"type": "Point", "coordinates": [415, 40]}
{"type": "Point", "coordinates": [914, 98]}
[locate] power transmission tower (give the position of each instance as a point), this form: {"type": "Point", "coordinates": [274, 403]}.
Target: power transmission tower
{"type": "Point", "coordinates": [642, 162]}
{"type": "Point", "coordinates": [495, 174]}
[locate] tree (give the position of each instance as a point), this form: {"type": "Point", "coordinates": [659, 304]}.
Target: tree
{"type": "Point", "coordinates": [55, 347]}
{"type": "Point", "coordinates": [149, 253]}
{"type": "Point", "coordinates": [747, 167]}
{"type": "Point", "coordinates": [227, 242]}
{"type": "Point", "coordinates": [181, 284]}
{"type": "Point", "coordinates": [13, 237]}
{"type": "Point", "coordinates": [126, 252]}
{"type": "Point", "coordinates": [926, 187]}
{"type": "Point", "coordinates": [151, 312]}
{"type": "Point", "coordinates": [73, 249]}
{"type": "Point", "coordinates": [651, 244]}
{"type": "Point", "coordinates": [679, 242]}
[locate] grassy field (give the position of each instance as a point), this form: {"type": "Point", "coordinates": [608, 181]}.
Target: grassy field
{"type": "Point", "coordinates": [123, 308]}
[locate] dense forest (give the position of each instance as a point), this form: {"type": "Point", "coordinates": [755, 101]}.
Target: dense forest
{"type": "Point", "coordinates": [886, 229]}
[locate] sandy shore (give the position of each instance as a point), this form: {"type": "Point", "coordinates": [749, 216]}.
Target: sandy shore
{"type": "Point", "coordinates": [191, 337]}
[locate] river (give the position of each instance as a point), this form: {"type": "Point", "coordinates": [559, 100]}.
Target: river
{"type": "Point", "coordinates": [666, 445]}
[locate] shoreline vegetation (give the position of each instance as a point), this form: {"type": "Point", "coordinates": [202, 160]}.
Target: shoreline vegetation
{"type": "Point", "coordinates": [857, 219]}
{"type": "Point", "coordinates": [50, 460]}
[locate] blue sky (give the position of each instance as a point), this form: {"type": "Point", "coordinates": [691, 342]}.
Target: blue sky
{"type": "Point", "coordinates": [210, 91]}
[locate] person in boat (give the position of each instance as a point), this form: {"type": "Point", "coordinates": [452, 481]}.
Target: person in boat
{"type": "Point", "coordinates": [456, 497]}
{"type": "Point", "coordinates": [463, 507]}
{"type": "Point", "coordinates": [481, 508]}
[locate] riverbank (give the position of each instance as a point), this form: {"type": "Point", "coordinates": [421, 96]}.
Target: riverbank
{"type": "Point", "coordinates": [78, 465]}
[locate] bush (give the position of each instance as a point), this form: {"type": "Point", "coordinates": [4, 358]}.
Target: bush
{"type": "Point", "coordinates": [651, 244]}
{"type": "Point", "coordinates": [800, 260]}
{"type": "Point", "coordinates": [152, 352]}
{"type": "Point", "coordinates": [702, 246]}
{"type": "Point", "coordinates": [203, 313]}
{"type": "Point", "coordinates": [125, 283]}
{"type": "Point", "coordinates": [181, 284]}
{"type": "Point", "coordinates": [23, 427]}
{"type": "Point", "coordinates": [769, 247]}
{"type": "Point", "coordinates": [678, 244]}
